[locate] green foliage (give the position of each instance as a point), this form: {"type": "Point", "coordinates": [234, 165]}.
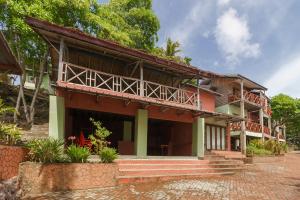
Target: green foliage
{"type": "Point", "coordinates": [286, 111]}
{"type": "Point", "coordinates": [108, 155]}
{"type": "Point", "coordinates": [252, 150]}
{"type": "Point", "coordinates": [269, 147]}
{"type": "Point", "coordinates": [99, 138]}
{"type": "Point", "coordinates": [10, 134]}
{"type": "Point", "coordinates": [47, 150]}
{"type": "Point", "coordinates": [4, 108]}
{"type": "Point", "coordinates": [77, 154]}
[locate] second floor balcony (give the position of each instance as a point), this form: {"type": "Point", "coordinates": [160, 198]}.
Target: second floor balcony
{"type": "Point", "coordinates": [248, 96]}
{"type": "Point", "coordinates": [89, 80]}
{"type": "Point", "coordinates": [250, 126]}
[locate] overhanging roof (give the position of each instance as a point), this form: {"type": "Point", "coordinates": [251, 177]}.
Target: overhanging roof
{"type": "Point", "coordinates": [53, 33]}
{"type": "Point", "coordinates": [8, 62]}
{"type": "Point", "coordinates": [218, 115]}
{"type": "Point", "coordinates": [247, 82]}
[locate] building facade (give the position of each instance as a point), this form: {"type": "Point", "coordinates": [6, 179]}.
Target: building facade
{"type": "Point", "coordinates": [152, 106]}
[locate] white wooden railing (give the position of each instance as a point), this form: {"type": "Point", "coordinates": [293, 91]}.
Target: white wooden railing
{"type": "Point", "coordinates": [88, 77]}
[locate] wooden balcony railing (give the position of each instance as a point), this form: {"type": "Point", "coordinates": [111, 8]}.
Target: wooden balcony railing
{"type": "Point", "coordinates": [267, 110]}
{"type": "Point", "coordinates": [267, 130]}
{"type": "Point", "coordinates": [248, 96]}
{"type": "Point", "coordinates": [119, 85]}
{"type": "Point", "coordinates": [250, 126]}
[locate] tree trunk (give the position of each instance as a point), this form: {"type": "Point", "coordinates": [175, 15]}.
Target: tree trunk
{"type": "Point", "coordinates": [38, 85]}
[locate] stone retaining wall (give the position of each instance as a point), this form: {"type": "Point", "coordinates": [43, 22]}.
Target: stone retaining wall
{"type": "Point", "coordinates": [36, 178]}
{"type": "Point", "coordinates": [10, 158]}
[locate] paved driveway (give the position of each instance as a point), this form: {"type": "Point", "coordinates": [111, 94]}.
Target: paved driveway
{"type": "Point", "coordinates": [261, 181]}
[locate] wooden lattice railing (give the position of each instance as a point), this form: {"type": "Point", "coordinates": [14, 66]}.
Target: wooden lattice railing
{"type": "Point", "coordinates": [267, 130]}
{"type": "Point", "coordinates": [248, 96]}
{"type": "Point", "coordinates": [250, 126]}
{"type": "Point", "coordinates": [91, 78]}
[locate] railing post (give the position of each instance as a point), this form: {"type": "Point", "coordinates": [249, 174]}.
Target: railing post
{"type": "Point", "coordinates": [60, 59]}
{"type": "Point", "coordinates": [243, 124]}
{"type": "Point", "coordinates": [198, 94]}
{"type": "Point", "coordinates": [141, 79]}
{"type": "Point", "coordinates": [261, 118]}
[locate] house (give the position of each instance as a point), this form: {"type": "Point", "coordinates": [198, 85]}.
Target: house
{"type": "Point", "coordinates": [247, 99]}
{"type": "Point", "coordinates": [148, 103]}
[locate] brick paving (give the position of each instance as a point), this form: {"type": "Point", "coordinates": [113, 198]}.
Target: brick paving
{"type": "Point", "coordinates": [260, 181]}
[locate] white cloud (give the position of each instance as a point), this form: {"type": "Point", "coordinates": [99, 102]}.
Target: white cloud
{"type": "Point", "coordinates": [286, 79]}
{"type": "Point", "coordinates": [192, 22]}
{"type": "Point", "coordinates": [234, 38]}
{"type": "Point", "coordinates": [223, 2]}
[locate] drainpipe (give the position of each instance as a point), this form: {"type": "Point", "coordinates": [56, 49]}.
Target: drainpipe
{"type": "Point", "coordinates": [198, 94]}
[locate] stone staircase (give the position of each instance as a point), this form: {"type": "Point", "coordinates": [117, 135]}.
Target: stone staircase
{"type": "Point", "coordinates": [36, 131]}
{"type": "Point", "coordinates": [149, 170]}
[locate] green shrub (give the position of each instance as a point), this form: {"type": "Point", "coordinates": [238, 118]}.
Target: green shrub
{"type": "Point", "coordinates": [258, 143]}
{"type": "Point", "coordinates": [10, 134]}
{"type": "Point", "coordinates": [47, 150]}
{"type": "Point", "coordinates": [77, 154]}
{"type": "Point", "coordinates": [108, 155]}
{"type": "Point", "coordinates": [252, 150]}
{"type": "Point", "coordinates": [99, 139]}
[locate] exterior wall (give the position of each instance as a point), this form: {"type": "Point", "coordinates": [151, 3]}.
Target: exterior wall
{"type": "Point", "coordinates": [117, 106]}
{"type": "Point", "coordinates": [207, 101]}
{"type": "Point", "coordinates": [10, 158]}
{"type": "Point", "coordinates": [56, 117]}
{"type": "Point", "coordinates": [229, 109]}
{"type": "Point", "coordinates": [36, 178]}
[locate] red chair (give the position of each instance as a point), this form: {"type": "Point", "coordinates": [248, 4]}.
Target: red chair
{"type": "Point", "coordinates": [84, 142]}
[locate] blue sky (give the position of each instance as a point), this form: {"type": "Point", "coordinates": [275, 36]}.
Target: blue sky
{"type": "Point", "coordinates": [259, 39]}
{"type": "Point", "coordinates": [256, 38]}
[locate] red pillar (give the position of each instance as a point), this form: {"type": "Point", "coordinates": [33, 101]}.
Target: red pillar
{"type": "Point", "coordinates": [228, 138]}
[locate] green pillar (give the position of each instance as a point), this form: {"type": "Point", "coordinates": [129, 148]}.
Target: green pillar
{"type": "Point", "coordinates": [198, 137]}
{"type": "Point", "coordinates": [127, 127]}
{"type": "Point", "coordinates": [141, 129]}
{"type": "Point", "coordinates": [57, 117]}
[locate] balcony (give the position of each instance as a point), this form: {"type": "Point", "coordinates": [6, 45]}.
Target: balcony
{"type": "Point", "coordinates": [248, 96]}
{"type": "Point", "coordinates": [267, 130]}
{"type": "Point", "coordinates": [267, 110]}
{"type": "Point", "coordinates": [250, 126]}
{"type": "Point", "coordinates": [89, 80]}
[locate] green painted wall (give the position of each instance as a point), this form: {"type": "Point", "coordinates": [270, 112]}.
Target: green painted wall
{"type": "Point", "coordinates": [56, 117]}
{"type": "Point", "coordinates": [127, 127]}
{"type": "Point", "coordinates": [198, 137]}
{"type": "Point", "coordinates": [229, 109]}
{"type": "Point", "coordinates": [141, 131]}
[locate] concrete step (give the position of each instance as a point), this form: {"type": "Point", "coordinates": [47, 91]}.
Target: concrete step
{"type": "Point", "coordinates": [165, 177]}
{"type": "Point", "coordinates": [176, 166]}
{"type": "Point", "coordinates": [161, 161]}
{"type": "Point", "coordinates": [172, 171]}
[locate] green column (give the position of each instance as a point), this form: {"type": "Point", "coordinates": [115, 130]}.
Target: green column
{"type": "Point", "coordinates": [198, 137]}
{"type": "Point", "coordinates": [57, 117]}
{"type": "Point", "coordinates": [127, 127]}
{"type": "Point", "coordinates": [141, 129]}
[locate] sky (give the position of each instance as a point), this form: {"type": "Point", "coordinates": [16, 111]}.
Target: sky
{"type": "Point", "coordinates": [259, 39]}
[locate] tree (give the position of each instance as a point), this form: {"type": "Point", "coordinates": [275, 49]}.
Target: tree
{"type": "Point", "coordinates": [172, 48]}
{"type": "Point", "coordinates": [129, 22]}
{"type": "Point", "coordinates": [286, 111]}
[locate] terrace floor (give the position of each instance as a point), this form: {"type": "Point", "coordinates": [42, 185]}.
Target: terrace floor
{"type": "Point", "coordinates": [260, 181]}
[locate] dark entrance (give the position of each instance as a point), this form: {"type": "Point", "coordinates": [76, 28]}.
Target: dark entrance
{"type": "Point", "coordinates": [79, 121]}
{"type": "Point", "coordinates": [168, 138]}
